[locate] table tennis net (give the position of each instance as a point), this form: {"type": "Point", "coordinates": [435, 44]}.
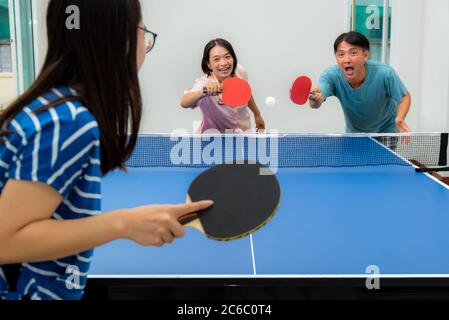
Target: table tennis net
{"type": "Point", "coordinates": [290, 150]}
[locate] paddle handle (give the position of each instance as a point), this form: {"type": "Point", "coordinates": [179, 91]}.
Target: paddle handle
{"type": "Point", "coordinates": [205, 90]}
{"type": "Point", "coordinates": [191, 219]}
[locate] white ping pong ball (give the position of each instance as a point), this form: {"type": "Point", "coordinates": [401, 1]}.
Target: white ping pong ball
{"type": "Point", "coordinates": [270, 101]}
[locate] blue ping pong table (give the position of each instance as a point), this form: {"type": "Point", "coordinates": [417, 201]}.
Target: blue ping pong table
{"type": "Point", "coordinates": [336, 227]}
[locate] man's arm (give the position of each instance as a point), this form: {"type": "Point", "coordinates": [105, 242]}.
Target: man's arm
{"type": "Point", "coordinates": [316, 99]}
{"type": "Point", "coordinates": [321, 92]}
{"type": "Point", "coordinates": [403, 109]}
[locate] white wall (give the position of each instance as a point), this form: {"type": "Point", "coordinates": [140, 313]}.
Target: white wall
{"type": "Point", "coordinates": [420, 54]}
{"type": "Point", "coordinates": [435, 66]}
{"type": "Point", "coordinates": [277, 41]}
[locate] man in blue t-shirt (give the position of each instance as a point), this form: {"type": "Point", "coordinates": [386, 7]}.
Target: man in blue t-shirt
{"type": "Point", "coordinates": [373, 97]}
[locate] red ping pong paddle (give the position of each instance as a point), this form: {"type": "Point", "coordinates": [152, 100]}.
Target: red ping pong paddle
{"type": "Point", "coordinates": [245, 198]}
{"type": "Point", "coordinates": [235, 92]}
{"type": "Point", "coordinates": [300, 90]}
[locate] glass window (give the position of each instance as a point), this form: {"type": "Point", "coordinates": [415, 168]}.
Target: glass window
{"type": "Point", "coordinates": [5, 43]}
{"type": "Point", "coordinates": [7, 88]}
{"type": "Point", "coordinates": [367, 17]}
{"type": "Point", "coordinates": [17, 67]}
{"type": "Point", "coordinates": [24, 23]}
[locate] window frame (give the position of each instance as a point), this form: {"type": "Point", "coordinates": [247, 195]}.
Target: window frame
{"type": "Point", "coordinates": [22, 43]}
{"type": "Point", "coordinates": [386, 26]}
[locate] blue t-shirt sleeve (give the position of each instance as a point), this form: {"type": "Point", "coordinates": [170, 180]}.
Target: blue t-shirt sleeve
{"type": "Point", "coordinates": [326, 84]}
{"type": "Point", "coordinates": [394, 86]}
{"type": "Point", "coordinates": [55, 155]}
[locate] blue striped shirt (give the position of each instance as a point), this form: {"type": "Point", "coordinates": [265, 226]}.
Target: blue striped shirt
{"type": "Point", "coordinates": [59, 147]}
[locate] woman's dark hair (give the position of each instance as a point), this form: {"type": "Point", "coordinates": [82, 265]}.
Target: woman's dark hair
{"type": "Point", "coordinates": [354, 38]}
{"type": "Point", "coordinates": [212, 44]}
{"type": "Point", "coordinates": [99, 60]}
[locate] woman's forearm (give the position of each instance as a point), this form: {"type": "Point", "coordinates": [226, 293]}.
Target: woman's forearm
{"type": "Point", "coordinates": [253, 107]}
{"type": "Point", "coordinates": [189, 99]}
{"type": "Point", "coordinates": [51, 239]}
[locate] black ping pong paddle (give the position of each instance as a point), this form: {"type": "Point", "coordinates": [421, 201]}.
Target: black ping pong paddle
{"type": "Point", "coordinates": [245, 198]}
